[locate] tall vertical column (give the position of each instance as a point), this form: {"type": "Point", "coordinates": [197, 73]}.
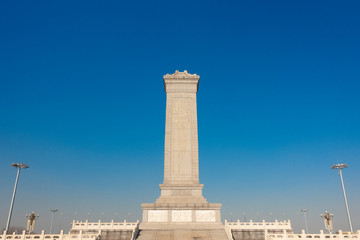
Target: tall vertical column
{"type": "Point", "coordinates": [181, 155]}
{"type": "Point", "coordinates": [181, 158]}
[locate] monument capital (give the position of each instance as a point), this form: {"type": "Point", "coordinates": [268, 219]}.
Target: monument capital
{"type": "Point", "coordinates": [181, 82]}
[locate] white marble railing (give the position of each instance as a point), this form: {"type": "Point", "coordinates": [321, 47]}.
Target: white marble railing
{"type": "Point", "coordinates": [259, 225]}
{"type": "Point", "coordinates": [322, 236]}
{"type": "Point", "coordinates": [100, 226]}
{"type": "Point", "coordinates": [282, 225]}
{"type": "Point", "coordinates": [77, 225]}
{"type": "Point", "coordinates": [82, 233]}
{"type": "Point", "coordinates": [43, 236]}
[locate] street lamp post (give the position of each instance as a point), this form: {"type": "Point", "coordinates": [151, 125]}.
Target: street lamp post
{"type": "Point", "coordinates": [18, 166]}
{"type": "Point", "coordinates": [53, 211]}
{"type": "Point", "coordinates": [340, 166]}
{"type": "Point", "coordinates": [306, 225]}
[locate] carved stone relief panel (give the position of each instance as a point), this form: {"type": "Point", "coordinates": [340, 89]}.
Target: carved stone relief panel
{"type": "Point", "coordinates": [181, 193]}
{"type": "Point", "coordinates": [181, 216]}
{"type": "Point", "coordinates": [157, 216]}
{"type": "Point", "coordinates": [205, 216]}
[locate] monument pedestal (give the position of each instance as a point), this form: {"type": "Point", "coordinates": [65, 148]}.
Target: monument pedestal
{"type": "Point", "coordinates": [192, 216]}
{"type": "Point", "coordinates": [181, 205]}
{"type": "Point", "coordinates": [181, 194]}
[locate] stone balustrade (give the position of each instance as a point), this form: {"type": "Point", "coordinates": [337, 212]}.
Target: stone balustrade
{"type": "Point", "coordinates": [79, 231]}
{"type": "Point", "coordinates": [251, 226]}
{"type": "Point", "coordinates": [78, 225]}
{"type": "Point", "coordinates": [322, 236]}
{"type": "Point", "coordinates": [278, 225]}
{"type": "Point", "coordinates": [43, 236]}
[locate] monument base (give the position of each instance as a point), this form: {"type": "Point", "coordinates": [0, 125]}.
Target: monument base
{"type": "Point", "coordinates": [177, 194]}
{"type": "Point", "coordinates": [181, 221]}
{"type": "Point", "coordinates": [181, 206]}
{"type": "Point", "coordinates": [185, 214]}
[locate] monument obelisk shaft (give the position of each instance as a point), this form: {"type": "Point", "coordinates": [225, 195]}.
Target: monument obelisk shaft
{"type": "Point", "coordinates": [181, 155]}
{"type": "Point", "coordinates": [181, 165]}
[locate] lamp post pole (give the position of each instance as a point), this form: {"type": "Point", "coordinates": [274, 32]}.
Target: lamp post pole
{"type": "Point", "coordinates": [306, 225]}
{"type": "Point", "coordinates": [53, 211]}
{"type": "Point", "coordinates": [340, 166]}
{"type": "Point", "coordinates": [18, 166]}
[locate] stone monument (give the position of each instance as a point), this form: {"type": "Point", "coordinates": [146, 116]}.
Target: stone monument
{"type": "Point", "coordinates": [181, 204]}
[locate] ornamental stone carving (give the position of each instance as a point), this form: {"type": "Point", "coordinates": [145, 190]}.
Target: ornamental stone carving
{"type": "Point", "coordinates": [157, 216]}
{"type": "Point", "coordinates": [205, 216]}
{"type": "Point", "coordinates": [181, 75]}
{"type": "Point", "coordinates": [181, 82]}
{"type": "Point", "coordinates": [181, 216]}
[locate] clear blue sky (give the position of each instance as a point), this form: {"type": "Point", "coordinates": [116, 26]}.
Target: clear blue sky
{"type": "Point", "coordinates": [82, 102]}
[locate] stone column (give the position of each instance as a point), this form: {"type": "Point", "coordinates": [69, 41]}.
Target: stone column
{"type": "Point", "coordinates": [181, 134]}
{"type": "Point", "coordinates": [181, 155]}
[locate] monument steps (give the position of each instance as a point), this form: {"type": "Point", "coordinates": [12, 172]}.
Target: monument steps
{"type": "Point", "coordinates": [183, 234]}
